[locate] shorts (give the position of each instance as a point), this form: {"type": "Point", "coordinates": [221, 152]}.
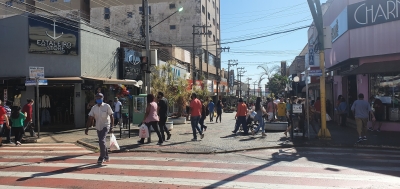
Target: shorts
{"type": "Point", "coordinates": [117, 115]}
{"type": "Point", "coordinates": [379, 116]}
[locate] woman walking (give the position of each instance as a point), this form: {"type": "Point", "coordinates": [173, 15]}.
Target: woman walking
{"type": "Point", "coordinates": [18, 118]}
{"type": "Point", "coordinates": [342, 112]}
{"type": "Point", "coordinates": [219, 111]}
{"type": "Point", "coordinates": [259, 116]}
{"type": "Point", "coordinates": [151, 118]}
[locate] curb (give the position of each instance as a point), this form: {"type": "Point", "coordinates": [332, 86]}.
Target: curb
{"type": "Point", "coordinates": [87, 145]}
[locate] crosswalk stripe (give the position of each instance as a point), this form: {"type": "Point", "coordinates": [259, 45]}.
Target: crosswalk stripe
{"type": "Point", "coordinates": [23, 187]}
{"type": "Point", "coordinates": [375, 178]}
{"type": "Point", "coordinates": [48, 144]}
{"type": "Point", "coordinates": [49, 152]}
{"type": "Point", "coordinates": [161, 180]}
{"type": "Point", "coordinates": [41, 147]}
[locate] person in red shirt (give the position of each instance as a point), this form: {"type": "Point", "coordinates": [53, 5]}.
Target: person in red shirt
{"type": "Point", "coordinates": [195, 114]}
{"type": "Point", "coordinates": [379, 113]}
{"type": "Point", "coordinates": [27, 109]}
{"type": "Point", "coordinates": [3, 118]}
{"type": "Point", "coordinates": [240, 117]}
{"type": "Point", "coordinates": [317, 107]}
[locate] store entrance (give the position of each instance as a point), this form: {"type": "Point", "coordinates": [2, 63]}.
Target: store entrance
{"type": "Point", "coordinates": [352, 92]}
{"type": "Point", "coordinates": [56, 107]}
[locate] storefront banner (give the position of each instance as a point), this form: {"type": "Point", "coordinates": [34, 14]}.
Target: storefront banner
{"type": "Point", "coordinates": [59, 36]}
{"type": "Point", "coordinates": [131, 65]}
{"type": "Point", "coordinates": [372, 12]}
{"type": "Point", "coordinates": [339, 26]}
{"type": "Point", "coordinates": [33, 82]}
{"type": "Point", "coordinates": [210, 86]}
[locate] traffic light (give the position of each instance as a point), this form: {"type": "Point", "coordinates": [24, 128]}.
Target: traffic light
{"type": "Point", "coordinates": [143, 63]}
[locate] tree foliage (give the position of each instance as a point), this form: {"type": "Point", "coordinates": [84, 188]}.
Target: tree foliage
{"type": "Point", "coordinates": [277, 83]}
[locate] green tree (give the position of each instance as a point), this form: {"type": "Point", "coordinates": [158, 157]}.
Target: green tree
{"type": "Point", "coordinates": [277, 83]}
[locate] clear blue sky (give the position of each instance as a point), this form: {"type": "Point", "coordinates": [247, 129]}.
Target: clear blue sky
{"type": "Point", "coordinates": [251, 18]}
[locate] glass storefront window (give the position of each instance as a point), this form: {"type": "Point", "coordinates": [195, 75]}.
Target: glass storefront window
{"type": "Point", "coordinates": [386, 87]}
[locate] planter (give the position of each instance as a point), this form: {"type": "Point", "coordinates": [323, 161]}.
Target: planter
{"type": "Point", "coordinates": [177, 120]}
{"type": "Point", "coordinates": [276, 126]}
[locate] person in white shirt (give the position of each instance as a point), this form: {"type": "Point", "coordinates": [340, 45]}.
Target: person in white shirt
{"type": "Point", "coordinates": [117, 110]}
{"type": "Point", "coordinates": [103, 115]}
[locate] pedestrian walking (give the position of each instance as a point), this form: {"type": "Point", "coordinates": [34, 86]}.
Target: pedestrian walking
{"type": "Point", "coordinates": [151, 119]}
{"type": "Point", "coordinates": [117, 110]}
{"type": "Point", "coordinates": [28, 121]}
{"type": "Point", "coordinates": [17, 119]}
{"type": "Point", "coordinates": [271, 109]}
{"type": "Point", "coordinates": [211, 106]}
{"type": "Point", "coordinates": [163, 115]}
{"type": "Point", "coordinates": [361, 110]}
{"type": "Point", "coordinates": [240, 117]}
{"type": "Point", "coordinates": [281, 110]}
{"type": "Point", "coordinates": [195, 114]}
{"type": "Point", "coordinates": [6, 131]}
{"type": "Point", "coordinates": [259, 117]}
{"type": "Point", "coordinates": [337, 116]}
{"type": "Point", "coordinates": [379, 112]}
{"type": "Point", "coordinates": [203, 116]}
{"type": "Point", "coordinates": [103, 114]}
{"type": "Point", "coordinates": [219, 111]}
{"type": "Point", "coordinates": [342, 111]}
{"type": "Point", "coordinates": [4, 122]}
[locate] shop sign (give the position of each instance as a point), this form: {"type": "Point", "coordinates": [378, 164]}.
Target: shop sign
{"type": "Point", "coordinates": [131, 65]}
{"type": "Point", "coordinates": [53, 36]}
{"type": "Point", "coordinates": [372, 12]}
{"type": "Point", "coordinates": [315, 73]}
{"type": "Point", "coordinates": [87, 87]}
{"type": "Point", "coordinates": [36, 72]}
{"type": "Point", "coordinates": [339, 26]}
{"type": "Point", "coordinates": [297, 108]}
{"type": "Point", "coordinates": [32, 82]}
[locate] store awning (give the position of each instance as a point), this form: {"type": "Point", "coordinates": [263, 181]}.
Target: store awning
{"type": "Point", "coordinates": [65, 80]}
{"type": "Point", "coordinates": [376, 68]}
{"type": "Point", "coordinates": [113, 81]}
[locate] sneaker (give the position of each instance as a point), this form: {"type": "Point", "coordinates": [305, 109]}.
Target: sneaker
{"type": "Point", "coordinates": [253, 133]}
{"type": "Point", "coordinates": [233, 132]}
{"type": "Point", "coordinates": [140, 142]}
{"type": "Point", "coordinates": [205, 128]}
{"type": "Point", "coordinates": [202, 136]}
{"type": "Point", "coordinates": [169, 136]}
{"type": "Point", "coordinates": [359, 140]}
{"type": "Point", "coordinates": [370, 129]}
{"type": "Point", "coordinates": [378, 130]}
{"type": "Point", "coordinates": [194, 139]}
{"type": "Point", "coordinates": [159, 143]}
{"type": "Point", "coordinates": [100, 162]}
{"type": "Point", "coordinates": [106, 160]}
{"type": "Point", "coordinates": [264, 135]}
{"type": "Point", "coordinates": [364, 138]}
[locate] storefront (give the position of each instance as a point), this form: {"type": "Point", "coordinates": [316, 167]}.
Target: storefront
{"type": "Point", "coordinates": [365, 54]}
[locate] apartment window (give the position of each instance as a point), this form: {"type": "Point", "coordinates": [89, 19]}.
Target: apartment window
{"type": "Point", "coordinates": [172, 27]}
{"type": "Point", "coordinates": [52, 1]}
{"type": "Point", "coordinates": [130, 14]}
{"type": "Point", "coordinates": [130, 34]}
{"type": "Point", "coordinates": [209, 16]}
{"type": "Point", "coordinates": [214, 21]}
{"type": "Point", "coordinates": [217, 41]}
{"type": "Point", "coordinates": [67, 1]}
{"type": "Point", "coordinates": [209, 32]}
{"type": "Point", "coordinates": [213, 4]}
{"type": "Point", "coordinates": [107, 30]}
{"type": "Point", "coordinates": [217, 26]}
{"type": "Point", "coordinates": [203, 9]}
{"type": "Point", "coordinates": [214, 38]}
{"type": "Point", "coordinates": [106, 13]}
{"type": "Point", "coordinates": [172, 6]}
{"type": "Point", "coordinates": [141, 9]}
{"type": "Point", "coordinates": [217, 10]}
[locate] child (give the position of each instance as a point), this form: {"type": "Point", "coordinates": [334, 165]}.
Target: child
{"type": "Point", "coordinates": [18, 118]}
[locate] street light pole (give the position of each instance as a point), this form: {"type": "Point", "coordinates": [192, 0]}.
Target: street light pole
{"type": "Point", "coordinates": [229, 73]}
{"type": "Point", "coordinates": [248, 89]}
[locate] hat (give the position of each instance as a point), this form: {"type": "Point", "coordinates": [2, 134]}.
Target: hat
{"type": "Point", "coordinates": [99, 95]}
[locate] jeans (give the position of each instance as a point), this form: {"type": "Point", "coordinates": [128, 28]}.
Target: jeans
{"type": "Point", "coordinates": [219, 113]}
{"type": "Point", "coordinates": [194, 121]}
{"type": "Point", "coordinates": [18, 131]}
{"type": "Point", "coordinates": [211, 116]}
{"type": "Point", "coordinates": [201, 122]}
{"type": "Point", "coordinates": [241, 120]}
{"type": "Point", "coordinates": [102, 143]}
{"type": "Point", "coordinates": [117, 116]}
{"type": "Point", "coordinates": [6, 131]}
{"type": "Point", "coordinates": [343, 119]}
{"type": "Point", "coordinates": [163, 127]}
{"type": "Point", "coordinates": [261, 124]}
{"type": "Point", "coordinates": [153, 124]}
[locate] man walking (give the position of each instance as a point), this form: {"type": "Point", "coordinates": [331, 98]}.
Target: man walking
{"type": "Point", "coordinates": [3, 119]}
{"type": "Point", "coordinates": [271, 109]}
{"type": "Point", "coordinates": [28, 110]}
{"type": "Point", "coordinates": [281, 110]}
{"type": "Point", "coordinates": [103, 115]}
{"type": "Point", "coordinates": [361, 110]}
{"type": "Point", "coordinates": [163, 115]}
{"type": "Point", "coordinates": [240, 117]}
{"type": "Point", "coordinates": [203, 116]}
{"type": "Point", "coordinates": [6, 130]}
{"type": "Point", "coordinates": [378, 113]}
{"type": "Point", "coordinates": [219, 111]}
{"type": "Point", "coordinates": [117, 110]}
{"type": "Point", "coordinates": [195, 114]}
{"type": "Point", "coordinates": [211, 110]}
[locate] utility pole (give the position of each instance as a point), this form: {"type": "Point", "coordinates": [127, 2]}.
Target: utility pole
{"type": "Point", "coordinates": [229, 73]}
{"type": "Point", "coordinates": [240, 79]}
{"type": "Point", "coordinates": [316, 11]}
{"type": "Point", "coordinates": [248, 89]}
{"type": "Point", "coordinates": [147, 30]}
{"type": "Point", "coordinates": [218, 66]}
{"type": "Point", "coordinates": [254, 87]}
{"type": "Point", "coordinates": [193, 52]}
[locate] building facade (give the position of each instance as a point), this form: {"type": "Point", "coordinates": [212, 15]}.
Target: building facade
{"type": "Point", "coordinates": [365, 54]}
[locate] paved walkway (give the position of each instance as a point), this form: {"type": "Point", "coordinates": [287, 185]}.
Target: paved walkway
{"type": "Point", "coordinates": [219, 139]}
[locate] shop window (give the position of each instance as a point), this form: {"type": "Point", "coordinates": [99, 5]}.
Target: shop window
{"type": "Point", "coordinates": [386, 87]}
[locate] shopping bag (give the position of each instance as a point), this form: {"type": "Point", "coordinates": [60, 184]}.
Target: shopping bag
{"type": "Point", "coordinates": [143, 131]}
{"type": "Point", "coordinates": [215, 114]}
{"type": "Point", "coordinates": [113, 143]}
{"type": "Point", "coordinates": [328, 118]}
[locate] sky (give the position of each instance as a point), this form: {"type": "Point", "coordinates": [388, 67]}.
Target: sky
{"type": "Point", "coordinates": [243, 19]}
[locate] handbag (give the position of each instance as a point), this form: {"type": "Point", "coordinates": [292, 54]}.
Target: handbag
{"type": "Point", "coordinates": [143, 131]}
{"type": "Point", "coordinates": [113, 143]}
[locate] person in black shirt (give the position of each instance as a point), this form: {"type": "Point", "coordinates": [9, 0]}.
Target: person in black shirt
{"type": "Point", "coordinates": [219, 111]}
{"type": "Point", "coordinates": [163, 114]}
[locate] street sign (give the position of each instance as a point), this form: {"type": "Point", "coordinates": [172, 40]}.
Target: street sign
{"type": "Point", "coordinates": [32, 82]}
{"type": "Point", "coordinates": [315, 73]}
{"type": "Point", "coordinates": [297, 108]}
{"type": "Point", "coordinates": [36, 72]}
